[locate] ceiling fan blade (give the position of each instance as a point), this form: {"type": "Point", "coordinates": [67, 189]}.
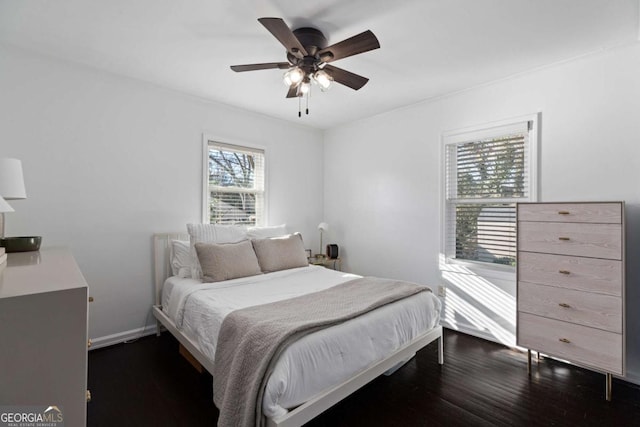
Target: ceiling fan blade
{"type": "Point", "coordinates": [360, 43]}
{"type": "Point", "coordinates": [345, 77]}
{"type": "Point", "coordinates": [293, 91]}
{"type": "Point", "coordinates": [283, 33]}
{"type": "Point", "coordinates": [265, 66]}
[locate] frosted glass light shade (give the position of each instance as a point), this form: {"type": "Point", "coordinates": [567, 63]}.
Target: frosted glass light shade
{"type": "Point", "coordinates": [11, 179]}
{"type": "Point", "coordinates": [293, 76]}
{"type": "Point", "coordinates": [323, 79]}
{"type": "Point", "coordinates": [4, 206]}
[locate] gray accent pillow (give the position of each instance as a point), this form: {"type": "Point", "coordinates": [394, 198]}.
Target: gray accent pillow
{"type": "Point", "coordinates": [227, 260]}
{"type": "Point", "coordinates": [280, 253]}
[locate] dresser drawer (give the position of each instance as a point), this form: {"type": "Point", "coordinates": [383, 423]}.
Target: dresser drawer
{"type": "Point", "coordinates": [608, 213]}
{"type": "Point", "coordinates": [579, 273]}
{"type": "Point", "coordinates": [580, 344]}
{"type": "Point", "coordinates": [584, 308]}
{"type": "Point", "coordinates": [590, 240]}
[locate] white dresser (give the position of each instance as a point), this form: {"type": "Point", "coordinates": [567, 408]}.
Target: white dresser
{"type": "Point", "coordinates": [43, 333]}
{"type": "Point", "coordinates": [571, 287]}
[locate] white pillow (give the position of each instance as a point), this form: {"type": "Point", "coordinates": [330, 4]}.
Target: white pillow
{"type": "Point", "coordinates": [211, 233]}
{"type": "Point", "coordinates": [180, 258]}
{"type": "Point", "coordinates": [267, 232]}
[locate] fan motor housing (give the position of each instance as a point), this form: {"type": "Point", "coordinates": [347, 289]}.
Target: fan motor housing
{"type": "Point", "coordinates": [312, 39]}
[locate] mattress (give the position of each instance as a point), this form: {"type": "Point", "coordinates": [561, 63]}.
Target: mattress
{"type": "Point", "coordinates": [317, 361]}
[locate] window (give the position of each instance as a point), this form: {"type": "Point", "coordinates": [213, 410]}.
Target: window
{"type": "Point", "coordinates": [487, 170]}
{"type": "Point", "coordinates": [234, 184]}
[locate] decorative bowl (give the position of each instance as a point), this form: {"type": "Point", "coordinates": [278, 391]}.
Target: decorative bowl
{"type": "Point", "coordinates": [21, 244]}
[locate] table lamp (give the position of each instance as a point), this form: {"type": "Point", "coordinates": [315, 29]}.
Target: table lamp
{"type": "Point", "coordinates": [323, 226]}
{"type": "Point", "coordinates": [12, 188]}
{"type": "Point", "coordinates": [11, 183]}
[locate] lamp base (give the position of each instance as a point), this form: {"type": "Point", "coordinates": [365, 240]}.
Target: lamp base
{"type": "Point", "coordinates": [21, 244]}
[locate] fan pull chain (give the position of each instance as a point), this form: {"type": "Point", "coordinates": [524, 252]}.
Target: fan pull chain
{"type": "Point", "coordinates": [299, 107]}
{"type": "Point", "coordinates": [308, 93]}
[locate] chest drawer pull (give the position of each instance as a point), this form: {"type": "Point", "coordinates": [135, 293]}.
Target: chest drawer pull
{"type": "Point", "coordinates": [563, 212]}
{"type": "Point", "coordinates": [563, 238]}
{"type": "Point", "coordinates": [564, 340]}
{"type": "Point", "coordinates": [564, 272]}
{"type": "Point", "coordinates": [564, 305]}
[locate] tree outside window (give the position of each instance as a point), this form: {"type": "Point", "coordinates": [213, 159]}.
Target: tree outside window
{"type": "Point", "coordinates": [236, 184]}
{"type": "Point", "coordinates": [486, 173]}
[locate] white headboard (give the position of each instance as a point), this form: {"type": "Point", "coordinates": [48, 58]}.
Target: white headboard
{"type": "Point", "coordinates": [161, 263]}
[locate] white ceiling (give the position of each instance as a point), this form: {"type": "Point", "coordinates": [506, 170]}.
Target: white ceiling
{"type": "Point", "coordinates": [428, 47]}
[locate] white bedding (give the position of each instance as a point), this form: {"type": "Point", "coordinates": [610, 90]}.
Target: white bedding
{"type": "Point", "coordinates": [318, 360]}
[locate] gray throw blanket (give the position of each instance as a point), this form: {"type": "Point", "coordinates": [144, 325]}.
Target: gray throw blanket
{"type": "Point", "coordinates": [251, 339]}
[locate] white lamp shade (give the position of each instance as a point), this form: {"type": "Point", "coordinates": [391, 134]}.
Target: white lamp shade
{"type": "Point", "coordinates": [4, 206]}
{"type": "Point", "coordinates": [323, 226]}
{"type": "Point", "coordinates": [11, 179]}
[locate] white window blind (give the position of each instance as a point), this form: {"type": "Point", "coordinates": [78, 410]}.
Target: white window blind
{"type": "Point", "coordinates": [486, 172]}
{"type": "Point", "coordinates": [235, 184]}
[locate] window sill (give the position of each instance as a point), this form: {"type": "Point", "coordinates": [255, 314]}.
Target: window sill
{"type": "Point", "coordinates": [501, 272]}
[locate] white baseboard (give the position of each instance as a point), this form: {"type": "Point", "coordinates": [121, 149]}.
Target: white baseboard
{"type": "Point", "coordinates": [122, 337]}
{"type": "Point", "coordinates": [632, 378]}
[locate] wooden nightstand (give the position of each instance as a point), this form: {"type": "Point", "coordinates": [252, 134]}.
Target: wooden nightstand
{"type": "Point", "coordinates": [335, 264]}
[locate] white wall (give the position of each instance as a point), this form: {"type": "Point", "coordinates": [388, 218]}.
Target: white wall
{"type": "Point", "coordinates": [109, 161]}
{"type": "Point", "coordinates": [382, 179]}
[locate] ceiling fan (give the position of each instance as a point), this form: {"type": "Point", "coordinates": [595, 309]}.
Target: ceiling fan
{"type": "Point", "coordinates": [309, 56]}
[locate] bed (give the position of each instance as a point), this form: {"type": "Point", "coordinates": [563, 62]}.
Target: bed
{"type": "Point", "coordinates": [307, 377]}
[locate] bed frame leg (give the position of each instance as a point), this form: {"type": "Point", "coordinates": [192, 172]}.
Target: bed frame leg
{"type": "Point", "coordinates": [441, 349]}
{"type": "Point", "coordinates": [158, 328]}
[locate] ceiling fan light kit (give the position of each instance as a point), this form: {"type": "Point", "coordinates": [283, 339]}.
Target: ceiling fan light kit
{"type": "Point", "coordinates": [308, 59]}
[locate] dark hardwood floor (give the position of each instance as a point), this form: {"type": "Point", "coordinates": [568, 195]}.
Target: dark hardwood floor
{"type": "Point", "coordinates": [147, 383]}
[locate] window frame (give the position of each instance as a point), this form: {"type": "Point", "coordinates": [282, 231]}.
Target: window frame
{"type": "Point", "coordinates": [474, 133]}
{"type": "Point", "coordinates": [241, 145]}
